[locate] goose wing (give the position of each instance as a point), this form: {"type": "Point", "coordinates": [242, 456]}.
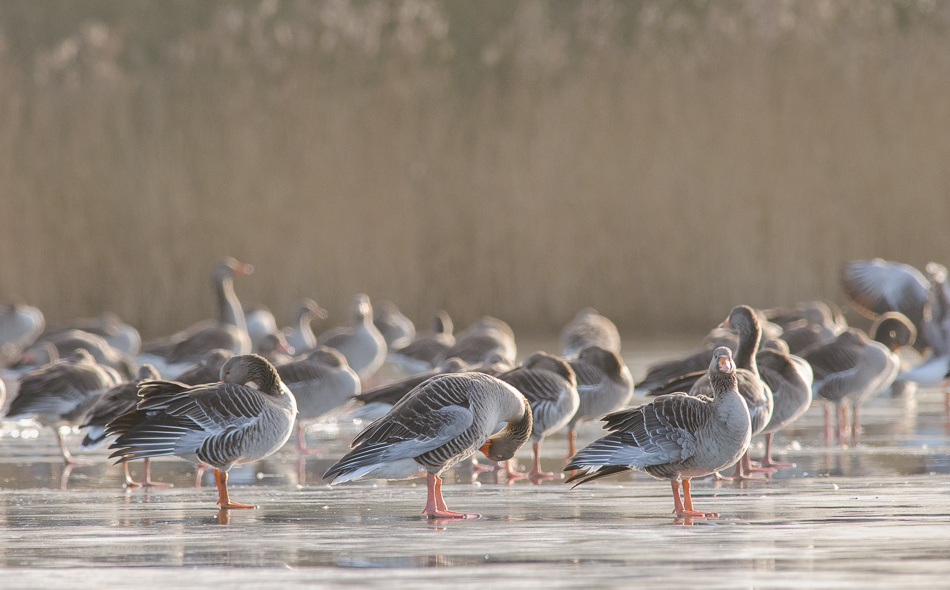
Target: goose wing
{"type": "Point", "coordinates": [878, 286]}
{"type": "Point", "coordinates": [61, 388]}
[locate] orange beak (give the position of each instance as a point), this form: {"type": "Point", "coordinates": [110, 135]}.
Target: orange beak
{"type": "Point", "coordinates": [725, 364]}
{"type": "Point", "coordinates": [484, 448]}
{"type": "Point", "coordinates": [244, 269]}
{"type": "Point", "coordinates": [725, 324]}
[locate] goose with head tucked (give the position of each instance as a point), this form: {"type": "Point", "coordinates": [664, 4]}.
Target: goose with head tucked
{"type": "Point", "coordinates": [550, 386]}
{"type": "Point", "coordinates": [443, 421]}
{"type": "Point", "coordinates": [789, 378]}
{"type": "Point", "coordinates": [61, 393]}
{"type": "Point", "coordinates": [360, 343]}
{"type": "Point", "coordinates": [207, 370]}
{"type": "Point", "coordinates": [675, 437]}
{"type": "Point", "coordinates": [245, 417]}
{"type": "Point", "coordinates": [589, 328]}
{"type": "Point", "coordinates": [175, 353]}
{"type": "Point", "coordinates": [485, 336]}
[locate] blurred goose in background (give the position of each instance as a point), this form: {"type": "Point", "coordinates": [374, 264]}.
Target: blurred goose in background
{"type": "Point", "coordinates": [424, 352]}
{"type": "Point", "coordinates": [378, 401]}
{"type": "Point", "coordinates": [299, 334]}
{"type": "Point", "coordinates": [825, 314]}
{"type": "Point", "coordinates": [484, 337]}
{"type": "Point", "coordinates": [790, 379]}
{"type": "Point", "coordinates": [247, 416]}
{"type": "Point", "coordinates": [117, 334]}
{"type": "Point", "coordinates": [207, 370]}
{"type": "Point", "coordinates": [589, 328]}
{"type": "Point", "coordinates": [174, 354]}
{"type": "Point", "coordinates": [853, 369]}
{"type": "Point", "coordinates": [550, 386]}
{"type": "Point", "coordinates": [360, 343]}
{"type": "Point", "coordinates": [20, 325]}
{"type": "Point", "coordinates": [754, 391]}
{"type": "Point", "coordinates": [322, 382]}
{"type": "Point", "coordinates": [604, 384]}
{"type": "Point", "coordinates": [60, 394]}
{"type": "Point", "coordinates": [275, 349]}
{"type": "Point", "coordinates": [675, 437]}
{"type": "Point", "coordinates": [111, 404]}
{"type": "Point", "coordinates": [69, 341]}
{"type": "Point", "coordinates": [260, 322]}
{"type": "Point", "coordinates": [443, 421]}
{"type": "Point", "coordinates": [397, 329]}
{"type": "Point", "coordinates": [875, 287]}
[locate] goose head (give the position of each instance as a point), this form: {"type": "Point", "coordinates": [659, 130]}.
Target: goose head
{"type": "Point", "coordinates": [253, 371]}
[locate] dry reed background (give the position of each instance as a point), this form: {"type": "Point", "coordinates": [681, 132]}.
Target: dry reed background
{"type": "Point", "coordinates": [659, 160]}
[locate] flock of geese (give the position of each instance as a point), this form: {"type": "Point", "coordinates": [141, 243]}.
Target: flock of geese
{"type": "Point", "coordinates": [234, 390]}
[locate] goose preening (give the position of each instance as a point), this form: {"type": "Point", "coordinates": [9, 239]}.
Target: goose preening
{"type": "Point", "coordinates": [589, 328]}
{"type": "Point", "coordinates": [441, 422]}
{"type": "Point", "coordinates": [111, 404]}
{"type": "Point", "coordinates": [68, 341]}
{"type": "Point", "coordinates": [853, 368]}
{"type": "Point", "coordinates": [300, 334]}
{"type": "Point", "coordinates": [424, 352]}
{"type": "Point", "coordinates": [245, 417]}
{"type": "Point", "coordinates": [360, 343]}
{"type": "Point", "coordinates": [275, 349]}
{"type": "Point", "coordinates": [321, 383]}
{"type": "Point", "coordinates": [550, 386]}
{"type": "Point", "coordinates": [61, 393]}
{"type": "Point", "coordinates": [207, 370]}
{"type": "Point", "coordinates": [396, 328]}
{"type": "Point", "coordinates": [675, 437]}
{"type": "Point", "coordinates": [174, 354]}
{"type": "Point", "coordinates": [604, 384]}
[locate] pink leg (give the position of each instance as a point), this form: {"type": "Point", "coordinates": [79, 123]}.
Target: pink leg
{"type": "Point", "coordinates": [435, 504]}
{"type": "Point", "coordinates": [147, 481]}
{"type": "Point", "coordinates": [842, 424]}
{"type": "Point", "coordinates": [302, 442]}
{"type": "Point", "coordinates": [827, 423]}
{"type": "Point", "coordinates": [855, 424]}
{"type": "Point", "coordinates": [510, 473]}
{"type": "Point", "coordinates": [688, 500]}
{"type": "Point", "coordinates": [767, 461]}
{"type": "Point", "coordinates": [571, 444]}
{"type": "Point", "coordinates": [536, 475]}
{"type": "Point", "coordinates": [68, 458]}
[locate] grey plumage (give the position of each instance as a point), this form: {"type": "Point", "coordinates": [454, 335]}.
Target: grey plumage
{"type": "Point", "coordinates": [589, 328]}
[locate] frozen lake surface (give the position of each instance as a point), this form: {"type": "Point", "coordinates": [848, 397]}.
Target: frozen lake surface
{"type": "Point", "coordinates": [875, 514]}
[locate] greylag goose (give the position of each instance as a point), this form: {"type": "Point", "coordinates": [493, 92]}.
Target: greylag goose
{"type": "Point", "coordinates": [260, 322]}
{"type": "Point", "coordinates": [589, 328]}
{"type": "Point", "coordinates": [111, 404]}
{"type": "Point", "coordinates": [423, 353]}
{"type": "Point", "coordinates": [174, 354]}
{"type": "Point", "coordinates": [119, 335]}
{"type": "Point", "coordinates": [604, 384]}
{"type": "Point", "coordinates": [68, 341]}
{"type": "Point", "coordinates": [207, 370]}
{"type": "Point", "coordinates": [275, 349]}
{"type": "Point", "coordinates": [851, 370]}
{"type": "Point", "coordinates": [825, 314]}
{"type": "Point", "coordinates": [789, 378]}
{"type": "Point", "coordinates": [60, 394]}
{"type": "Point", "coordinates": [378, 401]}
{"type": "Point", "coordinates": [676, 437]}
{"type": "Point", "coordinates": [20, 325]}
{"type": "Point", "coordinates": [803, 334]}
{"type": "Point", "coordinates": [484, 337]}
{"type": "Point", "coordinates": [443, 421]}
{"type": "Point", "coordinates": [247, 416]}
{"type": "Point", "coordinates": [754, 391]}
{"type": "Point", "coordinates": [550, 386]}
{"type": "Point", "coordinates": [299, 334]}
{"type": "Point", "coordinates": [734, 335]}
{"type": "Point", "coordinates": [322, 382]}
{"type": "Point", "coordinates": [361, 343]}
{"type": "Point", "coordinates": [874, 287]}
{"type": "Point", "coordinates": [396, 328]}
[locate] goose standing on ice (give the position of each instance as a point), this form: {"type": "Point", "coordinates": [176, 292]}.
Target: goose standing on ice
{"type": "Point", "coordinates": [604, 384]}
{"type": "Point", "coordinates": [245, 417]}
{"type": "Point", "coordinates": [360, 343]}
{"type": "Point", "coordinates": [443, 421]}
{"type": "Point", "coordinates": [676, 437]}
